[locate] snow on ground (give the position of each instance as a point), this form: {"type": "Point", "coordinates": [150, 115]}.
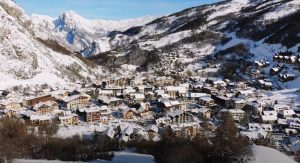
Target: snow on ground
{"type": "Point", "coordinates": [286, 96]}
{"type": "Point", "coordinates": [120, 157]}
{"type": "Point", "coordinates": [283, 10]}
{"type": "Point", "coordinates": [129, 157]}
{"type": "Point", "coordinates": [233, 7]}
{"type": "Point", "coordinates": [42, 78]}
{"type": "Point", "coordinates": [167, 40]}
{"type": "Point", "coordinates": [80, 130]}
{"type": "Point", "coordinates": [269, 155]}
{"type": "Point", "coordinates": [260, 49]}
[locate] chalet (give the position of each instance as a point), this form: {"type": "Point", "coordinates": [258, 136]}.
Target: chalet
{"type": "Point", "coordinates": [138, 97]}
{"type": "Point", "coordinates": [45, 107]}
{"type": "Point", "coordinates": [92, 115]}
{"type": "Point", "coordinates": [221, 100]}
{"type": "Point", "coordinates": [76, 101]}
{"type": "Point", "coordinates": [152, 132]}
{"type": "Point", "coordinates": [37, 120]}
{"type": "Point", "coordinates": [110, 101]}
{"type": "Point", "coordinates": [206, 101]}
{"type": "Point", "coordinates": [149, 96]}
{"type": "Point", "coordinates": [170, 106]}
{"type": "Point", "coordinates": [237, 115]}
{"type": "Point", "coordinates": [145, 88]}
{"type": "Point", "coordinates": [106, 92]}
{"type": "Point", "coordinates": [105, 114]}
{"type": "Point", "coordinates": [10, 104]}
{"type": "Point", "coordinates": [204, 113]}
{"type": "Point", "coordinates": [30, 102]}
{"type": "Point", "coordinates": [175, 92]}
{"type": "Point", "coordinates": [284, 110]}
{"type": "Point", "coordinates": [286, 113]}
{"type": "Point", "coordinates": [258, 126]}
{"type": "Point", "coordinates": [115, 90]}
{"type": "Point", "coordinates": [129, 113]}
{"type": "Point", "coordinates": [117, 81]}
{"type": "Point", "coordinates": [269, 116]}
{"type": "Point", "coordinates": [239, 103]}
{"type": "Point", "coordinates": [162, 81]}
{"type": "Point", "coordinates": [179, 117]}
{"type": "Point", "coordinates": [144, 110]}
{"type": "Point", "coordinates": [68, 120]}
{"type": "Point", "coordinates": [189, 130]}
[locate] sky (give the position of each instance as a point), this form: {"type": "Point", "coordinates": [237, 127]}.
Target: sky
{"type": "Point", "coordinates": [109, 9]}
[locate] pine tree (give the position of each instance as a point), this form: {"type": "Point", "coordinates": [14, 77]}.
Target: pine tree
{"type": "Point", "coordinates": [228, 144]}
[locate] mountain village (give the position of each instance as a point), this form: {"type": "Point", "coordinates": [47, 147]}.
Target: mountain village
{"type": "Point", "coordinates": [143, 105]}
{"type": "Point", "coordinates": [163, 86]}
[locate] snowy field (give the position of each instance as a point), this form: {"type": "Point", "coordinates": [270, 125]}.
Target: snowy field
{"type": "Point", "coordinates": [269, 155]}
{"type": "Point", "coordinates": [262, 155]}
{"type": "Point", "coordinates": [120, 157]}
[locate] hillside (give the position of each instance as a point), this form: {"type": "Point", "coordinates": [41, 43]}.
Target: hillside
{"type": "Point", "coordinates": [26, 60]}
{"type": "Point", "coordinates": [248, 30]}
{"type": "Point", "coordinates": [226, 32]}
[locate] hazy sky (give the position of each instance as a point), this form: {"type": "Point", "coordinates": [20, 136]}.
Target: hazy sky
{"type": "Point", "coordinates": [109, 9]}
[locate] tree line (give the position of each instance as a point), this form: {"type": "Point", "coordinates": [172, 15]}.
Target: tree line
{"type": "Point", "coordinates": [21, 141]}
{"type": "Point", "coordinates": [223, 146]}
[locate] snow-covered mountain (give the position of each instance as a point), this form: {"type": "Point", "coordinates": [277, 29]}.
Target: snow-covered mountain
{"type": "Point", "coordinates": [229, 31]}
{"type": "Point", "coordinates": [89, 37]}
{"type": "Point", "coordinates": [26, 60]}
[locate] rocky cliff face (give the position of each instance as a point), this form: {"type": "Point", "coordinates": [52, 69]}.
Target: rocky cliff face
{"type": "Point", "coordinates": [26, 60]}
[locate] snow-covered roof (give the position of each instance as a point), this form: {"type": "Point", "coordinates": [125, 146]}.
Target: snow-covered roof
{"type": "Point", "coordinates": [236, 111]}
{"type": "Point", "coordinates": [48, 103]}
{"type": "Point", "coordinates": [70, 98]}
{"type": "Point", "coordinates": [176, 89]}
{"type": "Point", "coordinates": [198, 95]}
{"type": "Point", "coordinates": [40, 117]}
{"type": "Point", "coordinates": [288, 112]}
{"type": "Point", "coordinates": [269, 116]}
{"type": "Point", "coordinates": [139, 96]}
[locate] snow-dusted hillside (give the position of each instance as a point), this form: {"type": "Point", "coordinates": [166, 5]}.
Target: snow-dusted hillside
{"type": "Point", "coordinates": [32, 46]}
{"type": "Point", "coordinates": [81, 34]}
{"type": "Point", "coordinates": [26, 61]}
{"type": "Point", "coordinates": [262, 27]}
